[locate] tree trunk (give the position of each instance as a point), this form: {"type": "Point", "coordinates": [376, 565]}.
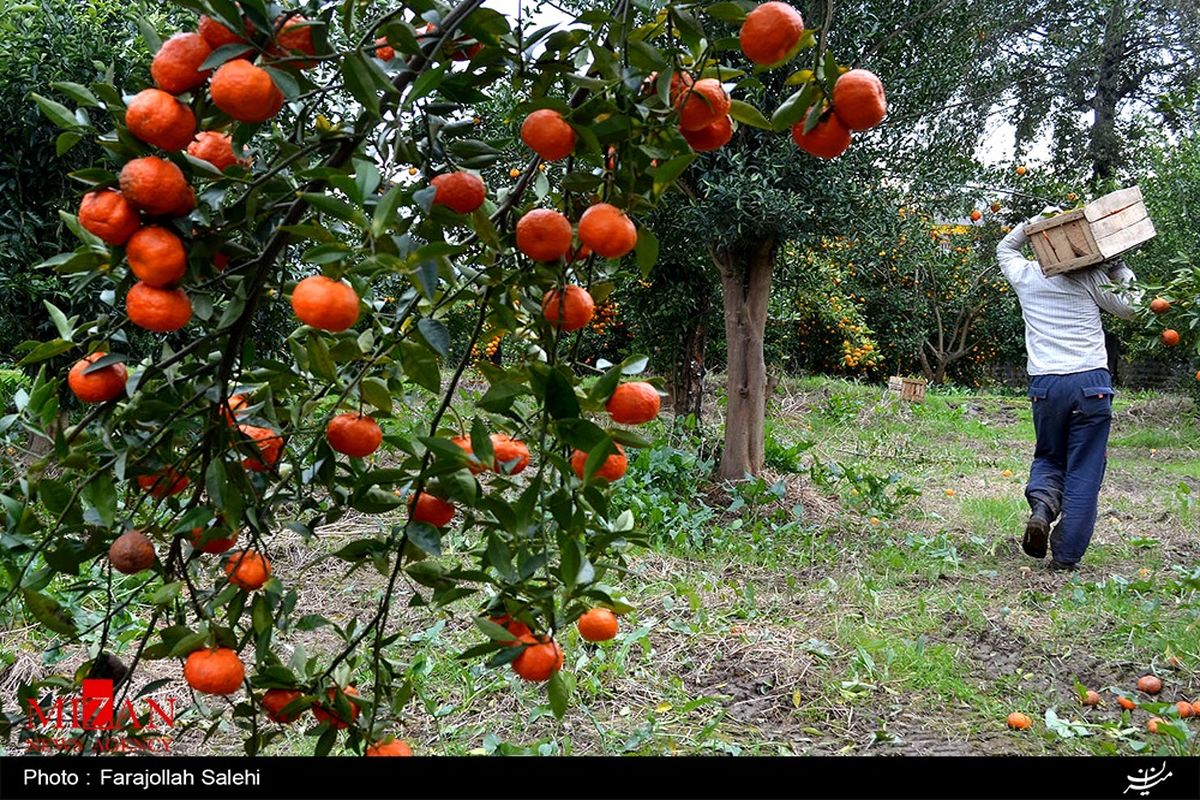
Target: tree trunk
{"type": "Point", "coordinates": [687, 388]}
{"type": "Point", "coordinates": [745, 288]}
{"type": "Point", "coordinates": [1104, 147]}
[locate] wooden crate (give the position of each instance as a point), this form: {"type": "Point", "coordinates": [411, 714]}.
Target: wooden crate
{"type": "Point", "coordinates": [1106, 227]}
{"type": "Point", "coordinates": [911, 389]}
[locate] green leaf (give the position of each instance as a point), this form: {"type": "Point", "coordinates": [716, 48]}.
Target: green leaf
{"type": "Point", "coordinates": [727, 12]}
{"type": "Point", "coordinates": [792, 109]}
{"type": "Point", "coordinates": [335, 207]}
{"type": "Point", "coordinates": [748, 114]}
{"type": "Point", "coordinates": [45, 350]}
{"type": "Point", "coordinates": [421, 366]}
{"type": "Point", "coordinates": [646, 250]}
{"type": "Point", "coordinates": [100, 495]}
{"type": "Point", "coordinates": [49, 612]}
{"type": "Point", "coordinates": [319, 360]}
{"type": "Point", "coordinates": [435, 335]}
{"type": "Point", "coordinates": [56, 112]}
{"type": "Point", "coordinates": [60, 321]}
{"type": "Point", "coordinates": [385, 210]}
{"type": "Point", "coordinates": [561, 687]}
{"type": "Point", "coordinates": [375, 392]}
{"type": "Point", "coordinates": [222, 54]}
{"type": "Point", "coordinates": [425, 536]}
{"type": "Point", "coordinates": [666, 173]}
{"type": "Point", "coordinates": [149, 35]}
{"type": "Point", "coordinates": [166, 594]}
{"type": "Point", "coordinates": [561, 402]}
{"type": "Point", "coordinates": [65, 141]}
{"type": "Point", "coordinates": [356, 72]}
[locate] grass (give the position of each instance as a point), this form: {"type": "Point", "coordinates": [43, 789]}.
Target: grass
{"type": "Point", "coordinates": [844, 602]}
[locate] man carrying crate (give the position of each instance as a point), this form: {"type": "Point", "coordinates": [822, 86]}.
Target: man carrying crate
{"type": "Point", "coordinates": [1071, 391]}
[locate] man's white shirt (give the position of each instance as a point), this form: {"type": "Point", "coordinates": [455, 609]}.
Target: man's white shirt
{"type": "Point", "coordinates": [1063, 333]}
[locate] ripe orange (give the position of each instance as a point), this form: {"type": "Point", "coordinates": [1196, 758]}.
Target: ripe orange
{"type": "Point", "coordinates": [217, 35]}
{"type": "Point", "coordinates": [544, 234]}
{"type": "Point", "coordinates": [1184, 708]}
{"type": "Point", "coordinates": [570, 309]}
{"type": "Point", "coordinates": [354, 435]}
{"type": "Point", "coordinates": [325, 303]}
{"type": "Point", "coordinates": [633, 403]}
{"type": "Point", "coordinates": [513, 626]}
{"type": "Point", "coordinates": [858, 100]}
{"type": "Point", "coordinates": [248, 569]}
{"type": "Point", "coordinates": [511, 454]}
{"type": "Point", "coordinates": [1196, 709]}
{"type": "Point", "coordinates": [1170, 337]}
{"type": "Point", "coordinates": [164, 483]}
{"type": "Point", "coordinates": [156, 256]}
{"type": "Point", "coordinates": [330, 715]}
{"type": "Point", "coordinates": [156, 186]}
{"type": "Point", "coordinates": [427, 508]}
{"type": "Point", "coordinates": [1018, 721]}
{"type": "Point", "coordinates": [1150, 684]}
{"type": "Point", "coordinates": [214, 147]}
{"type": "Point", "coordinates": [212, 546]}
{"type": "Point", "coordinates": [598, 625]}
{"type": "Point", "coordinates": [1126, 703]}
{"type": "Point", "coordinates": [235, 404]}
{"type": "Point", "coordinates": [161, 310]}
{"type": "Point", "coordinates": [771, 33]}
{"type": "Point", "coordinates": [294, 36]}
{"type": "Point", "coordinates": [578, 254]}
{"type": "Point", "coordinates": [245, 92]}
{"type": "Point", "coordinates": [459, 191]}
{"type": "Point", "coordinates": [706, 103]}
{"type": "Point", "coordinates": [159, 119]}
{"type": "Point", "coordinates": [106, 383]}
{"type": "Point", "coordinates": [215, 671]}
{"type": "Point", "coordinates": [1160, 305]}
{"type": "Point", "coordinates": [473, 463]}
{"type": "Point", "coordinates": [829, 139]}
{"type": "Point", "coordinates": [539, 660]}
{"type": "Point", "coordinates": [607, 230]}
{"type": "Point", "coordinates": [274, 701]}
{"type": "Point", "coordinates": [384, 51]}
{"type": "Point", "coordinates": [131, 553]}
{"type": "Point", "coordinates": [176, 65]}
{"type": "Point", "coordinates": [106, 213]}
{"type": "Point", "coordinates": [612, 469]}
{"type": "Point", "coordinates": [396, 747]}
{"type": "Point", "coordinates": [1152, 724]}
{"type": "Point", "coordinates": [1021, 170]}
{"type": "Point", "coordinates": [548, 134]}
{"type": "Point", "coordinates": [269, 444]}
{"type": "Point", "coordinates": [1092, 698]}
{"type": "Point", "coordinates": [976, 215]}
{"type": "Point", "coordinates": [711, 137]}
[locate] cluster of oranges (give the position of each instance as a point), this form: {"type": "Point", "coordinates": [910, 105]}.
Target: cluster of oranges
{"type": "Point", "coordinates": [1169, 336]}
{"type": "Point", "coordinates": [1147, 684]}
{"type": "Point", "coordinates": [606, 316]}
{"type": "Point", "coordinates": [489, 348]}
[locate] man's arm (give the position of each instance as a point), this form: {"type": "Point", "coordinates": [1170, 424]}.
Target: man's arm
{"type": "Point", "coordinates": [1008, 253]}
{"type": "Point", "coordinates": [1111, 289]}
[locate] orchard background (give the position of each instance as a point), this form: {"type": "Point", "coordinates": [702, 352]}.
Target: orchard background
{"type": "Point", "coordinates": [508, 377]}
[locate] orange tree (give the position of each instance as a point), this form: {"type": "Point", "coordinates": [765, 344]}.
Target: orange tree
{"type": "Point", "coordinates": [306, 156]}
